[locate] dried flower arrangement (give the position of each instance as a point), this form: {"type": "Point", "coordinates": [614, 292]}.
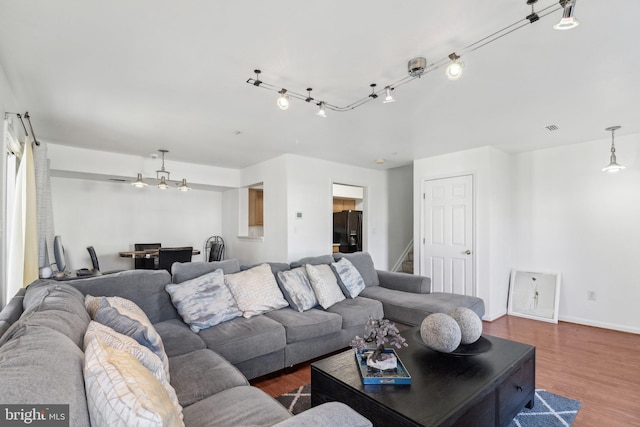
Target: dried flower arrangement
{"type": "Point", "coordinates": [379, 331]}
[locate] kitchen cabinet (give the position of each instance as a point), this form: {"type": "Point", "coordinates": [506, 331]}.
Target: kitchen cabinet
{"type": "Point", "coordinates": [256, 207]}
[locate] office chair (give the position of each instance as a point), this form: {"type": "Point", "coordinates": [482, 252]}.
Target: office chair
{"type": "Point", "coordinates": [167, 256]}
{"type": "Point", "coordinates": [95, 263]}
{"type": "Point", "coordinates": [145, 263]}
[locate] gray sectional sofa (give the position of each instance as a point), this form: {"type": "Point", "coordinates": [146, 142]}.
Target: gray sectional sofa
{"type": "Point", "coordinates": [42, 330]}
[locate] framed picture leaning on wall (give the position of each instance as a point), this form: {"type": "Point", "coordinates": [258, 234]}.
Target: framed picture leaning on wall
{"type": "Point", "coordinates": [534, 295]}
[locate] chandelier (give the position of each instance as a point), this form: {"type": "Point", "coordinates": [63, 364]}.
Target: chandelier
{"type": "Point", "coordinates": [163, 178]}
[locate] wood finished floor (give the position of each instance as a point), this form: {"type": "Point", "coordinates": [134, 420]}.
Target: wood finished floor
{"type": "Point", "coordinates": [599, 367]}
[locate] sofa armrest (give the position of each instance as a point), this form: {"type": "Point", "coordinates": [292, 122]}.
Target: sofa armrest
{"type": "Point", "coordinates": [404, 282]}
{"type": "Point", "coordinates": [327, 414]}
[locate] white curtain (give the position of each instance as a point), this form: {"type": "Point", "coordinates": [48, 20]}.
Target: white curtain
{"type": "Point", "coordinates": [45, 207]}
{"type": "Point", "coordinates": [23, 247]}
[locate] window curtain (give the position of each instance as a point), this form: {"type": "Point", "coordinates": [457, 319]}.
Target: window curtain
{"type": "Point", "coordinates": [44, 205]}
{"type": "Point", "coordinates": [23, 247]}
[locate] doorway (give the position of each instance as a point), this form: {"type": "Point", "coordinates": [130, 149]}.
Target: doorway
{"type": "Point", "coordinates": [448, 235]}
{"type": "Point", "coordinates": [347, 232]}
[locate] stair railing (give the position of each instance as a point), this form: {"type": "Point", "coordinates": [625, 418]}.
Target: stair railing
{"type": "Point", "coordinates": [398, 265]}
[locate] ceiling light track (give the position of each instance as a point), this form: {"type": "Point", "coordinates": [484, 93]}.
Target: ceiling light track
{"type": "Point", "coordinates": [415, 73]}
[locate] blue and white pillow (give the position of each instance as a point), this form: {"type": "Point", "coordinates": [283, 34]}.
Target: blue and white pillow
{"type": "Point", "coordinates": [204, 301]}
{"type": "Point", "coordinates": [298, 288]}
{"type": "Point", "coordinates": [349, 278]}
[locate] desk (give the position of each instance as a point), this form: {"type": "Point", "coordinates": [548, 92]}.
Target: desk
{"type": "Point", "coordinates": [147, 253]}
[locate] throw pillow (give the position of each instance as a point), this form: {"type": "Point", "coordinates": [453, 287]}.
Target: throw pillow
{"type": "Point", "coordinates": [204, 301]}
{"type": "Point", "coordinates": [255, 290]}
{"type": "Point", "coordinates": [296, 284]}
{"type": "Point", "coordinates": [113, 339]}
{"type": "Point", "coordinates": [122, 392]}
{"type": "Point", "coordinates": [324, 284]}
{"type": "Point", "coordinates": [128, 319]}
{"type": "Point", "coordinates": [349, 278]}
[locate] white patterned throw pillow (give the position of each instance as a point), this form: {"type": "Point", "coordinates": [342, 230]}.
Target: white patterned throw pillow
{"type": "Point", "coordinates": [121, 392]}
{"type": "Point", "coordinates": [149, 360]}
{"type": "Point", "coordinates": [297, 285]}
{"type": "Point", "coordinates": [349, 278]}
{"type": "Point", "coordinates": [204, 301]}
{"type": "Point", "coordinates": [324, 284]}
{"type": "Point", "coordinates": [255, 290]}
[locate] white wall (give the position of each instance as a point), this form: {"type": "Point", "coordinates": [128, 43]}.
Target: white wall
{"type": "Point", "coordinates": [300, 184]}
{"type": "Point", "coordinates": [574, 219]}
{"type": "Point", "coordinates": [113, 216]}
{"type": "Point", "coordinates": [492, 193]}
{"type": "Point", "coordinates": [400, 208]}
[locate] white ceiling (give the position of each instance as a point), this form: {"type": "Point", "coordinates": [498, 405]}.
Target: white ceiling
{"type": "Point", "coordinates": [136, 76]}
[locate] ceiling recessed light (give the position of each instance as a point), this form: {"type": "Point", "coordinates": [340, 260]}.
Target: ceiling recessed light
{"type": "Point", "coordinates": [380, 161]}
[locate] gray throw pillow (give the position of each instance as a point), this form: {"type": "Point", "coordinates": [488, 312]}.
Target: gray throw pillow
{"type": "Point", "coordinates": [349, 278]}
{"type": "Point", "coordinates": [298, 289]}
{"type": "Point", "coordinates": [204, 301]}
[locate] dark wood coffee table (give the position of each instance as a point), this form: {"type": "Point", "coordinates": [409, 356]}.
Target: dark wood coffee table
{"type": "Point", "coordinates": [487, 389]}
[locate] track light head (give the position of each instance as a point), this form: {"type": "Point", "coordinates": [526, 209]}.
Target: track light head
{"type": "Point", "coordinates": [283, 100]}
{"type": "Point", "coordinates": [321, 111]}
{"type": "Point", "coordinates": [454, 69]}
{"type": "Point", "coordinates": [388, 98]}
{"type": "Point", "coordinates": [568, 21]}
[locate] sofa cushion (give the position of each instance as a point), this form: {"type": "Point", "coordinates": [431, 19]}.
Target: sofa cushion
{"type": "Point", "coordinates": [243, 339]}
{"type": "Point", "coordinates": [183, 271]}
{"type": "Point", "coordinates": [121, 391]}
{"type": "Point", "coordinates": [255, 290]}
{"type": "Point", "coordinates": [356, 311]}
{"type": "Point", "coordinates": [113, 339]}
{"type": "Point", "coordinates": [325, 284]}
{"type": "Point", "coordinates": [125, 319]}
{"type": "Point", "coordinates": [143, 287]}
{"type": "Point", "coordinates": [237, 406]}
{"type": "Point", "coordinates": [311, 324]}
{"type": "Point", "coordinates": [297, 289]}
{"type": "Point", "coordinates": [202, 373]}
{"type": "Point", "coordinates": [363, 262]}
{"type": "Point", "coordinates": [349, 278]}
{"type": "Point", "coordinates": [313, 260]}
{"type": "Point", "coordinates": [178, 338]}
{"type": "Point", "coordinates": [41, 365]}
{"type": "Point", "coordinates": [12, 311]}
{"type": "Point", "coordinates": [204, 301]}
{"type": "Point", "coordinates": [411, 309]}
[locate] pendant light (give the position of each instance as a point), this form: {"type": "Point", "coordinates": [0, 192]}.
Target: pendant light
{"type": "Point", "coordinates": [162, 177]}
{"type": "Point", "coordinates": [183, 186]}
{"type": "Point", "coordinates": [139, 183]}
{"type": "Point", "coordinates": [613, 165]}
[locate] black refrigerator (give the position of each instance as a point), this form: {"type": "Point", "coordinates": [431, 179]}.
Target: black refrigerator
{"type": "Point", "coordinates": [347, 230]}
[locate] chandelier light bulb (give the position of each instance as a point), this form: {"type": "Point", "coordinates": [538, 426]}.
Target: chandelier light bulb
{"type": "Point", "coordinates": [183, 186]}
{"type": "Point", "coordinates": [139, 183]}
{"type": "Point", "coordinates": [162, 185]}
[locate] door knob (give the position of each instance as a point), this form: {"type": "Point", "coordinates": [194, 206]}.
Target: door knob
{"type": "Point", "coordinates": [467, 252]}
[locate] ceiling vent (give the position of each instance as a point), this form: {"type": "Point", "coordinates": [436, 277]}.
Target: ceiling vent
{"type": "Point", "coordinates": [552, 127]}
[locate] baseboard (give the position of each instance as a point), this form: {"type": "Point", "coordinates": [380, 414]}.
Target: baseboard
{"type": "Point", "coordinates": [603, 325]}
{"type": "Point", "coordinates": [494, 316]}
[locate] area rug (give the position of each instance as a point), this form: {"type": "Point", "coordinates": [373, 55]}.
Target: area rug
{"type": "Point", "coordinates": [549, 410]}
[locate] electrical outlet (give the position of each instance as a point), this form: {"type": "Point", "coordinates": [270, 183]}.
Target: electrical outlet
{"type": "Point", "coordinates": [591, 295]}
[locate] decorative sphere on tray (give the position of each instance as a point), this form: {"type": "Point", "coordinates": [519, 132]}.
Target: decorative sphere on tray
{"type": "Point", "coordinates": [440, 332]}
{"type": "Point", "coordinates": [469, 322]}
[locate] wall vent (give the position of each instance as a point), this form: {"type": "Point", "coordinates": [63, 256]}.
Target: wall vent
{"type": "Point", "coordinates": [552, 127]}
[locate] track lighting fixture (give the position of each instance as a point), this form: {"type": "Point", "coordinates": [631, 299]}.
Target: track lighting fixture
{"type": "Point", "coordinates": [162, 176]}
{"type": "Point", "coordinates": [454, 69]}
{"type": "Point", "coordinates": [139, 183]}
{"type": "Point", "coordinates": [568, 21]}
{"type": "Point", "coordinates": [283, 100]}
{"type": "Point", "coordinates": [613, 165]}
{"type": "Point", "coordinates": [389, 98]}
{"type": "Point", "coordinates": [418, 66]}
{"type": "Point", "coordinates": [321, 111]}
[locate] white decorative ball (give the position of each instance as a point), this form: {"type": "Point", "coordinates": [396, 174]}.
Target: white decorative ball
{"type": "Point", "coordinates": [440, 332]}
{"type": "Point", "coordinates": [469, 322]}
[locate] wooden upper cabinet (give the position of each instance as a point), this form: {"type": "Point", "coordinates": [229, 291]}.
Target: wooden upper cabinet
{"type": "Point", "coordinates": [256, 207]}
{"type": "Point", "coordinates": [340, 205]}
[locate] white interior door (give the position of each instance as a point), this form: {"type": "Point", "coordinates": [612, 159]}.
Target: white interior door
{"type": "Point", "coordinates": [447, 234]}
